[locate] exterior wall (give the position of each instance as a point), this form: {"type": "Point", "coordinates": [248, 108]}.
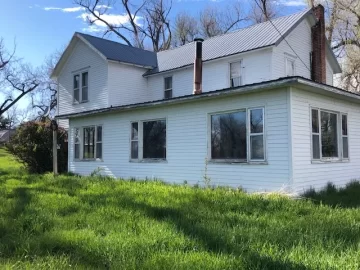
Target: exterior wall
{"type": "Point", "coordinates": [300, 41]}
{"type": "Point", "coordinates": [187, 138]}
{"type": "Point", "coordinates": [216, 74]}
{"type": "Point", "coordinates": [126, 84]}
{"type": "Point", "coordinates": [306, 173]}
{"type": "Point", "coordinates": [83, 58]}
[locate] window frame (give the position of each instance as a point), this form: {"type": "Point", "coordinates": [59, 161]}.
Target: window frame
{"type": "Point", "coordinates": [168, 89]}
{"type": "Point", "coordinates": [80, 86]}
{"type": "Point", "coordinates": [81, 142]}
{"type": "Point", "coordinates": [248, 159]}
{"type": "Point", "coordinates": [255, 134]}
{"type": "Point", "coordinates": [77, 143]}
{"type": "Point", "coordinates": [132, 140]}
{"type": "Point", "coordinates": [340, 157]}
{"type": "Point", "coordinates": [292, 59]}
{"type": "Point", "coordinates": [242, 80]}
{"type": "Point", "coordinates": [141, 142]}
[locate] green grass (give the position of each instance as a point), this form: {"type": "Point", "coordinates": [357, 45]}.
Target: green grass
{"type": "Point", "coordinates": [92, 223]}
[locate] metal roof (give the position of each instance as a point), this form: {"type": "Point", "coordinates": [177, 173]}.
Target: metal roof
{"type": "Point", "coordinates": [243, 40]}
{"type": "Point", "coordinates": [120, 52]}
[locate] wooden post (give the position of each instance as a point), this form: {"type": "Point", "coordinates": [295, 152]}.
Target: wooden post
{"type": "Point", "coordinates": [54, 128]}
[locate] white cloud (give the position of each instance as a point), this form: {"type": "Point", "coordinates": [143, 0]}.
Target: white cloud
{"type": "Point", "coordinates": [73, 9]}
{"type": "Point", "coordinates": [293, 3]}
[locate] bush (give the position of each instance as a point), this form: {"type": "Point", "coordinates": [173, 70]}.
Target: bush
{"type": "Point", "coordinates": [32, 146]}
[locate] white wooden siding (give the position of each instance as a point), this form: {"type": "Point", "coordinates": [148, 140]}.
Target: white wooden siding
{"type": "Point", "coordinates": [187, 144]}
{"type": "Point", "coordinates": [126, 84]}
{"type": "Point", "coordinates": [256, 68]}
{"type": "Point", "coordinates": [300, 41]}
{"type": "Point", "coordinates": [83, 57]}
{"type": "Point", "coordinates": [306, 173]}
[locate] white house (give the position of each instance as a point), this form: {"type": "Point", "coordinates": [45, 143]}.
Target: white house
{"type": "Point", "coordinates": [261, 113]}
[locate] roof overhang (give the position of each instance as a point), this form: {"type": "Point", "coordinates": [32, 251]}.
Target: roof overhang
{"type": "Point", "coordinates": [300, 82]}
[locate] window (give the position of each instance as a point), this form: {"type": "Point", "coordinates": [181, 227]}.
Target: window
{"type": "Point", "coordinates": [290, 66]}
{"type": "Point", "coordinates": [89, 140]}
{"type": "Point", "coordinates": [230, 139]}
{"type": "Point", "coordinates": [77, 143]}
{"type": "Point", "coordinates": [81, 82]}
{"type": "Point", "coordinates": [153, 137]}
{"type": "Point", "coordinates": [326, 137]}
{"type": "Point", "coordinates": [76, 88]}
{"type": "Point", "coordinates": [235, 74]}
{"type": "Point", "coordinates": [134, 140]}
{"type": "Point", "coordinates": [168, 87]}
{"type": "Point", "coordinates": [84, 86]}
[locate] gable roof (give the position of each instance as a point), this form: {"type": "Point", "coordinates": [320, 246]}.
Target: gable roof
{"type": "Point", "coordinates": [120, 52]}
{"type": "Point", "coordinates": [257, 36]}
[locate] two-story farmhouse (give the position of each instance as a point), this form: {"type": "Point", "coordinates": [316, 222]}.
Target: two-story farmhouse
{"type": "Point", "coordinates": [257, 110]}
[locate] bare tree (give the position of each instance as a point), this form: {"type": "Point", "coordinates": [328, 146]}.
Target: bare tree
{"type": "Point", "coordinates": [214, 22]}
{"type": "Point", "coordinates": [263, 10]}
{"type": "Point", "coordinates": [185, 29]}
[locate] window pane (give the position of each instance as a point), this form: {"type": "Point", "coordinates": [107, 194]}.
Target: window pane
{"type": "Point", "coordinates": [344, 125]}
{"type": "Point", "coordinates": [134, 131]}
{"type": "Point", "coordinates": [99, 134]}
{"type": "Point", "coordinates": [154, 139]}
{"type": "Point", "coordinates": [77, 135]}
{"type": "Point", "coordinates": [228, 136]}
{"type": "Point", "coordinates": [84, 96]}
{"type": "Point", "coordinates": [345, 147]}
{"type": "Point", "coordinates": [89, 137]}
{"type": "Point", "coordinates": [77, 151]}
{"type": "Point", "coordinates": [257, 147]}
{"type": "Point", "coordinates": [315, 121]}
{"type": "Point", "coordinates": [329, 139]}
{"type": "Point", "coordinates": [235, 74]}
{"type": "Point", "coordinates": [168, 94]}
{"type": "Point", "coordinates": [76, 81]}
{"type": "Point", "coordinates": [235, 82]}
{"type": "Point", "coordinates": [98, 150]}
{"type": "Point", "coordinates": [76, 95]}
{"type": "Point", "coordinates": [256, 121]}
{"type": "Point", "coordinates": [168, 83]}
{"type": "Point", "coordinates": [134, 149]}
{"type": "Point", "coordinates": [84, 79]}
{"type": "Point", "coordinates": [316, 146]}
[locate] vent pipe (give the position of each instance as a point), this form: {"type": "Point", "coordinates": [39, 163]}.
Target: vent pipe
{"type": "Point", "coordinates": [198, 66]}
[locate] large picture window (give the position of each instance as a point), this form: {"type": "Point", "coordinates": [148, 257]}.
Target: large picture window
{"type": "Point", "coordinates": [238, 136]}
{"type": "Point", "coordinates": [88, 143]}
{"type": "Point", "coordinates": [328, 141]}
{"type": "Point", "coordinates": [153, 137]}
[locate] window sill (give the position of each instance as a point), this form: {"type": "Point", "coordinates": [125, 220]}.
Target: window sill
{"type": "Point", "coordinates": [330, 161]}
{"type": "Point", "coordinates": [148, 161]}
{"type": "Point", "coordinates": [89, 160]}
{"type": "Point", "coordinates": [238, 162]}
{"type": "Point", "coordinates": [78, 103]}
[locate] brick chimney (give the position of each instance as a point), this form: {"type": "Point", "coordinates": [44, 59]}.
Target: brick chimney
{"type": "Point", "coordinates": [318, 59]}
{"type": "Point", "coordinates": [198, 66]}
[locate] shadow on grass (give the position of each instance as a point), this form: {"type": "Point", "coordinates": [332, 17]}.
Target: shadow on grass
{"type": "Point", "coordinates": [346, 197]}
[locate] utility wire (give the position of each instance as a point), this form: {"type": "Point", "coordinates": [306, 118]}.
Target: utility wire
{"type": "Point", "coordinates": [283, 38]}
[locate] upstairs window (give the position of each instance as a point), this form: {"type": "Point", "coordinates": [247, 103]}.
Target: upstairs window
{"type": "Point", "coordinates": [230, 139]}
{"type": "Point", "coordinates": [328, 141]}
{"type": "Point", "coordinates": [81, 87]}
{"type": "Point", "coordinates": [168, 87]}
{"type": "Point", "coordinates": [290, 66]}
{"type": "Point", "coordinates": [235, 74]}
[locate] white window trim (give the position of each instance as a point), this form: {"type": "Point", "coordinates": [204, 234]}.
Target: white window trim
{"type": "Point", "coordinates": [248, 154]}
{"type": "Point", "coordinates": [140, 142]}
{"type": "Point", "coordinates": [80, 88]}
{"type": "Point", "coordinates": [81, 141]}
{"type": "Point", "coordinates": [289, 57]}
{"type": "Point", "coordinates": [131, 140]}
{"type": "Point", "coordinates": [340, 157]}
{"type": "Point", "coordinates": [345, 136]}
{"type": "Point", "coordinates": [168, 89]}
{"type": "Point", "coordinates": [241, 71]}
{"type": "Point", "coordinates": [77, 143]}
{"type": "Point", "coordinates": [255, 134]}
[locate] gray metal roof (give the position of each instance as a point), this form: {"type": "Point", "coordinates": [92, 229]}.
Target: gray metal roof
{"type": "Point", "coordinates": [243, 40]}
{"type": "Point", "coordinates": [121, 52]}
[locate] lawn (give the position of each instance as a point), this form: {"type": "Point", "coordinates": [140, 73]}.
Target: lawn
{"type": "Point", "coordinates": [93, 223]}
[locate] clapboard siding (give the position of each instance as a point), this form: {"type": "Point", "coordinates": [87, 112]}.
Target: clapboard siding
{"type": "Point", "coordinates": [83, 57]}
{"type": "Point", "coordinates": [126, 84]}
{"type": "Point", "coordinates": [216, 74]}
{"type": "Point", "coordinates": [187, 136]}
{"type": "Point", "coordinates": [317, 175]}
{"type": "Point", "coordinates": [300, 41]}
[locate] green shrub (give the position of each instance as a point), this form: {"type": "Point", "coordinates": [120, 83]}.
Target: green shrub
{"type": "Point", "coordinates": [32, 146]}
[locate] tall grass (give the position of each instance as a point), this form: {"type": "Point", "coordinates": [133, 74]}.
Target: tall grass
{"type": "Point", "coordinates": [93, 223]}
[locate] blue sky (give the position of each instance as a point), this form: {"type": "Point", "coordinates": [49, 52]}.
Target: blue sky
{"type": "Point", "coordinates": [39, 27]}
